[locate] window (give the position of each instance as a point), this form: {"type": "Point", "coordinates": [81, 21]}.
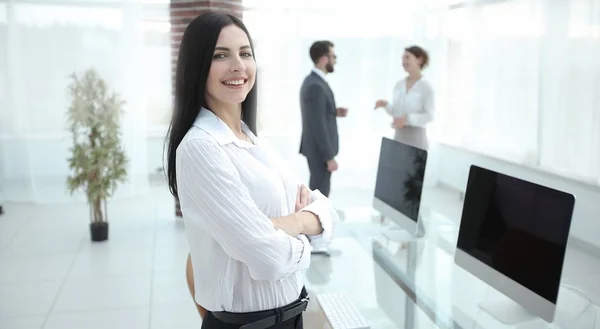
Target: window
{"type": "Point", "coordinates": [369, 42]}
{"type": "Point", "coordinates": [521, 79]}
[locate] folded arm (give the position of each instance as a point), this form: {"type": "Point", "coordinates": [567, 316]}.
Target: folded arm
{"type": "Point", "coordinates": [214, 199]}
{"type": "Point", "coordinates": [320, 231]}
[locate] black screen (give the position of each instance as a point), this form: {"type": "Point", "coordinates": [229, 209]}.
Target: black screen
{"type": "Point", "coordinates": [518, 228]}
{"type": "Point", "coordinates": [400, 177]}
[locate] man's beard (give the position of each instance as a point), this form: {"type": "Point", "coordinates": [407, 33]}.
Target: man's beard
{"type": "Point", "coordinates": [329, 67]}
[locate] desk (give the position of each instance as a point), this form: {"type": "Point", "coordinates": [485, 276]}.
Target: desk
{"type": "Point", "coordinates": [352, 270]}
{"type": "Point", "coordinates": [417, 284]}
{"type": "Point", "coordinates": [449, 295]}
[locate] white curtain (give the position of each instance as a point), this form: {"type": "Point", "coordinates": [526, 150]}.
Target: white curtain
{"type": "Point", "coordinates": [41, 43]}
{"type": "Point", "coordinates": [514, 79]}
{"type": "Point", "coordinates": [570, 85]}
{"type": "Point", "coordinates": [521, 82]}
{"type": "Point", "coordinates": [369, 42]}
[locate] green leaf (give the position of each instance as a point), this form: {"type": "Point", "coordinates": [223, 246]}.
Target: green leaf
{"type": "Point", "coordinates": [97, 162]}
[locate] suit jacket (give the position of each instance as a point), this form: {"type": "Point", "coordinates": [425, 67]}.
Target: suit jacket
{"type": "Point", "coordinates": [319, 120]}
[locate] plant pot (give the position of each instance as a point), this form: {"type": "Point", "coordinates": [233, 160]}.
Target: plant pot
{"type": "Point", "coordinates": [99, 231]}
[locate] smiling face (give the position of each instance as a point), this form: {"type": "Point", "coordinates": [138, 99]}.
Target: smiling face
{"type": "Point", "coordinates": [411, 63]}
{"type": "Point", "coordinates": [233, 69]}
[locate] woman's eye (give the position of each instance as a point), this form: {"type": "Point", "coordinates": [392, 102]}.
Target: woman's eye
{"type": "Point", "coordinates": [246, 54]}
{"type": "Point", "coordinates": [219, 56]}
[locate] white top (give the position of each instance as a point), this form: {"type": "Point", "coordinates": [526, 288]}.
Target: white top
{"type": "Point", "coordinates": [417, 103]}
{"type": "Point", "coordinates": [321, 74]}
{"type": "Point", "coordinates": [228, 191]}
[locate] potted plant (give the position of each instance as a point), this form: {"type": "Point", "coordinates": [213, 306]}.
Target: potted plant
{"type": "Point", "coordinates": [97, 161]}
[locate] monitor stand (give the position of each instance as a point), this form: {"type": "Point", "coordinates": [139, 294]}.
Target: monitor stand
{"type": "Point", "coordinates": [507, 311]}
{"type": "Point", "coordinates": [399, 236]}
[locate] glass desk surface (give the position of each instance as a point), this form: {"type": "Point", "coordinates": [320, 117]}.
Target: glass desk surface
{"type": "Point", "coordinates": [399, 282]}
{"type": "Point", "coordinates": [350, 269]}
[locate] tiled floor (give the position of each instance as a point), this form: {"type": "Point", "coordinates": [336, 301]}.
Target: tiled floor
{"type": "Point", "coordinates": [53, 277]}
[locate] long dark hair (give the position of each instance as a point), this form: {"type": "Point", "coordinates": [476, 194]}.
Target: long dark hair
{"type": "Point", "coordinates": [195, 58]}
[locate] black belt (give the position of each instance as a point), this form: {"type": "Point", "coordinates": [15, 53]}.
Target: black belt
{"type": "Point", "coordinates": [266, 319]}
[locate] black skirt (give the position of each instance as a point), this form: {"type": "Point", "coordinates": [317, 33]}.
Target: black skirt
{"type": "Point", "coordinates": [286, 317]}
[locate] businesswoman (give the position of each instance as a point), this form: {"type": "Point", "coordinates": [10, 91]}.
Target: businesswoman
{"type": "Point", "coordinates": [412, 106]}
{"type": "Point", "coordinates": [249, 224]}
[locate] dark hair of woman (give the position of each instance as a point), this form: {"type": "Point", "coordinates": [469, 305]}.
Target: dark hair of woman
{"type": "Point", "coordinates": [193, 65]}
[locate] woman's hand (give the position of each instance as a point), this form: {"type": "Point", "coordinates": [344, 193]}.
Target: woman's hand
{"type": "Point", "coordinates": [381, 103]}
{"type": "Point", "coordinates": [302, 222]}
{"type": "Point", "coordinates": [292, 225]}
{"type": "Point", "coordinates": [303, 198]}
{"type": "Point", "coordinates": [399, 122]}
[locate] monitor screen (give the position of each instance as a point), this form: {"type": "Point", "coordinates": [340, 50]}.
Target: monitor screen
{"type": "Point", "coordinates": [400, 176]}
{"type": "Point", "coordinates": [518, 228]}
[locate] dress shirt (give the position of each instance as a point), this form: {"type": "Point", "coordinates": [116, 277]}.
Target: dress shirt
{"type": "Point", "coordinates": [321, 74]}
{"type": "Point", "coordinates": [417, 103]}
{"type": "Point", "coordinates": [229, 190]}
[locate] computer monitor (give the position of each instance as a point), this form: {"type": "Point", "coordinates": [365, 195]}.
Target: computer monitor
{"type": "Point", "coordinates": [399, 183]}
{"type": "Point", "coordinates": [513, 236]}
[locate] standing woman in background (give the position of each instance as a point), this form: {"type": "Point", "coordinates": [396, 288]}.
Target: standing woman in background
{"type": "Point", "coordinates": [412, 105]}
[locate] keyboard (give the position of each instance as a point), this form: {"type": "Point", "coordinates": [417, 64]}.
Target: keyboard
{"type": "Point", "coordinates": [341, 312]}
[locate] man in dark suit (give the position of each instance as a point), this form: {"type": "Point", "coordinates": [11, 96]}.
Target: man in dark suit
{"type": "Point", "coordinates": [319, 143]}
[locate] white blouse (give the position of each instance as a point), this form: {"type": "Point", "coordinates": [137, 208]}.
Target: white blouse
{"type": "Point", "coordinates": [417, 103]}
{"type": "Point", "coordinates": [229, 190]}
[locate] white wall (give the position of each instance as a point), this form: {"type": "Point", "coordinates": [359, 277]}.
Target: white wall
{"type": "Point", "coordinates": [35, 169]}
{"type": "Point", "coordinates": [453, 171]}
{"type": "Point", "coordinates": [358, 166]}
{"type": "Point", "coordinates": [50, 41]}
{"type": "Point", "coordinates": [358, 157]}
